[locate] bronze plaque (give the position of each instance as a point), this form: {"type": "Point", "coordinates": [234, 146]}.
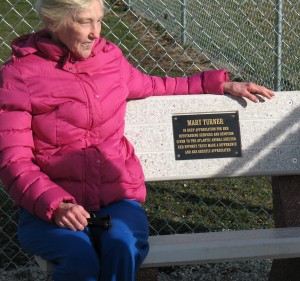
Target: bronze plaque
{"type": "Point", "coordinates": [206, 135]}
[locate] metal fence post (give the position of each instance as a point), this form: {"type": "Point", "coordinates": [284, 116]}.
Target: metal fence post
{"type": "Point", "coordinates": [183, 22]}
{"type": "Point", "coordinates": [278, 45]}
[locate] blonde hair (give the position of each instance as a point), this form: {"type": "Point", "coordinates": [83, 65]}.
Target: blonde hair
{"type": "Point", "coordinates": [56, 11]}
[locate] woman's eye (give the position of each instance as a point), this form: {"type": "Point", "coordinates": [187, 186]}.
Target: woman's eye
{"type": "Point", "coordinates": [87, 23]}
{"type": "Point", "coordinates": [84, 22]}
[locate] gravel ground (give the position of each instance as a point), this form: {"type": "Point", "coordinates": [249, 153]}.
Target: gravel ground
{"type": "Point", "coordinates": [234, 271]}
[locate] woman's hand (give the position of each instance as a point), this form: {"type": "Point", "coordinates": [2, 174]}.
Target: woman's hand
{"type": "Point", "coordinates": [247, 90]}
{"type": "Point", "coordinates": [72, 216]}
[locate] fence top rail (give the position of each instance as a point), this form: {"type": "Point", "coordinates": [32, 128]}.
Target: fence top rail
{"type": "Point", "coordinates": [268, 137]}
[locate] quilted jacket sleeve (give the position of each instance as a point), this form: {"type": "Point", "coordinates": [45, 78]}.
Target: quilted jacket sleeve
{"type": "Point", "coordinates": [27, 185]}
{"type": "Point", "coordinates": [142, 85]}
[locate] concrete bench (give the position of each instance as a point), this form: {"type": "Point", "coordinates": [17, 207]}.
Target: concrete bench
{"type": "Point", "coordinates": [174, 142]}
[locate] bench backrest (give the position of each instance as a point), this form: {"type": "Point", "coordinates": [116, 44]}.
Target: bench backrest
{"type": "Point", "coordinates": [269, 135]}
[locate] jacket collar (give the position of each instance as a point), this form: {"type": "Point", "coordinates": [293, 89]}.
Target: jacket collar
{"type": "Point", "coordinates": [42, 44]}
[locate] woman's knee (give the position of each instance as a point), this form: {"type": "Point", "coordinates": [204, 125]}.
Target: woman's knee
{"type": "Point", "coordinates": [125, 246]}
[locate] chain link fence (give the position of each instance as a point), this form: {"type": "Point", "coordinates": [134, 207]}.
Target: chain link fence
{"type": "Point", "coordinates": [254, 40]}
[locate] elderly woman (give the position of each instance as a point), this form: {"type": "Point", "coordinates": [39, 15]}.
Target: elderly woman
{"type": "Point", "coordinates": [64, 156]}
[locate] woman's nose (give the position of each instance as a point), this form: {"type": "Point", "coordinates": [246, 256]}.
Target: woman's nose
{"type": "Point", "coordinates": [95, 30]}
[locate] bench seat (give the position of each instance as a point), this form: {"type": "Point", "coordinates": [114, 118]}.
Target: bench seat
{"type": "Point", "coordinates": [270, 146]}
{"type": "Point", "coordinates": [213, 247]}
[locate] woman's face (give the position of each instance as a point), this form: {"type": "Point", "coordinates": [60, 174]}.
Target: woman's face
{"type": "Point", "coordinates": [79, 31]}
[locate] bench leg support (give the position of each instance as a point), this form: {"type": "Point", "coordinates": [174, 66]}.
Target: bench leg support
{"type": "Point", "coordinates": [286, 206]}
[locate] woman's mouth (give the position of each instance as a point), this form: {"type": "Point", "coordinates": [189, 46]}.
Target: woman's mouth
{"type": "Point", "coordinates": [87, 44]}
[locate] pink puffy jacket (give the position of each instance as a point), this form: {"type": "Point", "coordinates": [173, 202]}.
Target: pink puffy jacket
{"type": "Point", "coordinates": [62, 123]}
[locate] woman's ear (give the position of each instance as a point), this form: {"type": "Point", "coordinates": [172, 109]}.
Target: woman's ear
{"type": "Point", "coordinates": [50, 24]}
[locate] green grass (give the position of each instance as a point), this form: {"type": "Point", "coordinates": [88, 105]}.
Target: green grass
{"type": "Point", "coordinates": [237, 35]}
{"type": "Point", "coordinates": [244, 33]}
{"type": "Point", "coordinates": [16, 18]}
{"type": "Point", "coordinates": [209, 205]}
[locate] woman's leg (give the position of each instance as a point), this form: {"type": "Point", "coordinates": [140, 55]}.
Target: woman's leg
{"type": "Point", "coordinates": [123, 247]}
{"type": "Point", "coordinates": [71, 251]}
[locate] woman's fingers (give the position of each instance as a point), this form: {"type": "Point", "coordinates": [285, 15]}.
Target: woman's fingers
{"type": "Point", "coordinates": [72, 216]}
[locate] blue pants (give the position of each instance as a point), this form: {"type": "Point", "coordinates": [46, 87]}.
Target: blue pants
{"type": "Point", "coordinates": [93, 254]}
